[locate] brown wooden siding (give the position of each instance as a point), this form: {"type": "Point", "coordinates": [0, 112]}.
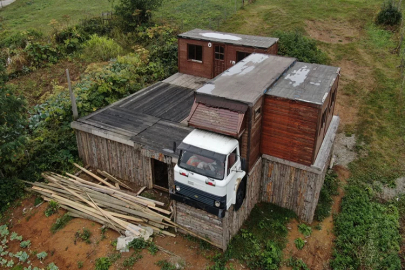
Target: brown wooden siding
{"type": "Point", "coordinates": [186, 66]}
{"type": "Point", "coordinates": [255, 123]}
{"type": "Point", "coordinates": [329, 107]}
{"type": "Point", "coordinates": [120, 160]}
{"type": "Point", "coordinates": [206, 68]}
{"type": "Point", "coordinates": [289, 129]}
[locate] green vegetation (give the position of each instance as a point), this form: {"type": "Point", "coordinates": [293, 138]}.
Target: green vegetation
{"type": "Point", "coordinates": [60, 223]}
{"type": "Point", "coordinates": [80, 264]}
{"type": "Point", "coordinates": [299, 243]}
{"type": "Point", "coordinates": [38, 14]}
{"type": "Point", "coordinates": [84, 235]}
{"type": "Point", "coordinates": [103, 263]}
{"type": "Point", "coordinates": [297, 264]}
{"type": "Point", "coordinates": [190, 14]}
{"type": "Point", "coordinates": [132, 260]}
{"type": "Point", "coordinates": [305, 229]}
{"type": "Point", "coordinates": [295, 44]}
{"type": "Point", "coordinates": [100, 49]}
{"type": "Point", "coordinates": [42, 255]}
{"type": "Point", "coordinates": [367, 232]}
{"type": "Point", "coordinates": [52, 208]}
{"type": "Point", "coordinates": [390, 14]}
{"type": "Point", "coordinates": [329, 189]}
{"type": "Point", "coordinates": [263, 235]}
{"type": "Point", "coordinates": [25, 244]}
{"type": "Point", "coordinates": [165, 265]}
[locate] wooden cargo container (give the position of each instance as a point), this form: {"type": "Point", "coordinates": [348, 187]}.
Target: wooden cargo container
{"type": "Point", "coordinates": [297, 112]}
{"type": "Point", "coordinates": [231, 104]}
{"type": "Point", "coordinates": [207, 53]}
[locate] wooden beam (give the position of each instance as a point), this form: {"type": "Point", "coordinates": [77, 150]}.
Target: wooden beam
{"type": "Point", "coordinates": [94, 176]}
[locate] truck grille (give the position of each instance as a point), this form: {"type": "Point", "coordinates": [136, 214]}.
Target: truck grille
{"type": "Point", "coordinates": [200, 195]}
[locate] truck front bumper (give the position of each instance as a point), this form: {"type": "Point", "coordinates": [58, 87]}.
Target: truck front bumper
{"type": "Point", "coordinates": [208, 208]}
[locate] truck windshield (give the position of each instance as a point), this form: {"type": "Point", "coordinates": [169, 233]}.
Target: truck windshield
{"type": "Point", "coordinates": [202, 164]}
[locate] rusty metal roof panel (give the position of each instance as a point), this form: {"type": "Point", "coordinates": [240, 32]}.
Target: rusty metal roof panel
{"type": "Point", "coordinates": [230, 38]}
{"type": "Point", "coordinates": [218, 120]}
{"type": "Point", "coordinates": [305, 82]}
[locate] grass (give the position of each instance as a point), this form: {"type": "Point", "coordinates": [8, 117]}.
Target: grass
{"type": "Point", "coordinates": [37, 14]}
{"type": "Point", "coordinates": [189, 14]}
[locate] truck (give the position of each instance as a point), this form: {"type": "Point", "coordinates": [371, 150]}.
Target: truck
{"type": "Point", "coordinates": [210, 173]}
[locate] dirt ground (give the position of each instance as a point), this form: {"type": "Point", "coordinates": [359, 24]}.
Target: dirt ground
{"type": "Point", "coordinates": [65, 250]}
{"type": "Point", "coordinates": [319, 245]}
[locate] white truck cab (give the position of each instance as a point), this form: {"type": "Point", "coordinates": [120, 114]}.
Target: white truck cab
{"type": "Point", "coordinates": [209, 172]}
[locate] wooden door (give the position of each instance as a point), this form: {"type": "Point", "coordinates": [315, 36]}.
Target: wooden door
{"type": "Point", "coordinates": [219, 59]}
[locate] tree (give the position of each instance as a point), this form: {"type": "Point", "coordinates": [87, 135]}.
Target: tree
{"type": "Point", "coordinates": [135, 12]}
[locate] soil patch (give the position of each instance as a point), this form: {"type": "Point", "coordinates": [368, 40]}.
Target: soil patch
{"type": "Point", "coordinates": [319, 245]}
{"type": "Point", "coordinates": [333, 31]}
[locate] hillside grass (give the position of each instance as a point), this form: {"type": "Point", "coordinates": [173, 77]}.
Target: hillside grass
{"type": "Point", "coordinates": [37, 14]}
{"type": "Point", "coordinates": [190, 14]}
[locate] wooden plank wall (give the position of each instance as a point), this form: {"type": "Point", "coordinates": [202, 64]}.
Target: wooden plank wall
{"type": "Point", "coordinates": [217, 230]}
{"type": "Point", "coordinates": [254, 126]}
{"type": "Point", "coordinates": [200, 222]}
{"type": "Point", "coordinates": [118, 159]}
{"type": "Point", "coordinates": [289, 129]}
{"type": "Point", "coordinates": [206, 68]}
{"type": "Point", "coordinates": [292, 188]}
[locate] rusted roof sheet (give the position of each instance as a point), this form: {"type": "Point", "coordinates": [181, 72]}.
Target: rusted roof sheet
{"type": "Point", "coordinates": [218, 120]}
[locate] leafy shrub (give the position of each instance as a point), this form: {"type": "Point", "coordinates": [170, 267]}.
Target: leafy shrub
{"type": "Point", "coordinates": [294, 44]}
{"type": "Point", "coordinates": [70, 39]}
{"type": "Point", "coordinates": [390, 14]}
{"type": "Point", "coordinates": [52, 208]}
{"type": "Point", "coordinates": [40, 54]}
{"type": "Point", "coordinates": [60, 223]}
{"type": "Point", "coordinates": [329, 189]}
{"type": "Point", "coordinates": [165, 265]}
{"type": "Point", "coordinates": [14, 40]}
{"type": "Point", "coordinates": [299, 243]}
{"type": "Point", "coordinates": [297, 264]}
{"type": "Point", "coordinates": [103, 263]}
{"type": "Point", "coordinates": [42, 255]}
{"type": "Point", "coordinates": [132, 260]}
{"type": "Point", "coordinates": [25, 244]}
{"type": "Point", "coordinates": [15, 236]}
{"type": "Point", "coordinates": [367, 233]}
{"type": "Point", "coordinates": [133, 13]}
{"type": "Point", "coordinates": [153, 249]}
{"type": "Point", "coordinates": [138, 243]}
{"type": "Point", "coordinates": [100, 49]}
{"type": "Point", "coordinates": [305, 229]}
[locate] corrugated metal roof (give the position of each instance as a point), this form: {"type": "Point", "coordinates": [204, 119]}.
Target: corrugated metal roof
{"type": "Point", "coordinates": [218, 120]}
{"type": "Point", "coordinates": [305, 82]}
{"type": "Point", "coordinates": [230, 38]}
{"type": "Point", "coordinates": [249, 79]}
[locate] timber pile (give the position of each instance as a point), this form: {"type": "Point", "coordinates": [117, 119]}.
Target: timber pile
{"type": "Point", "coordinates": [108, 205]}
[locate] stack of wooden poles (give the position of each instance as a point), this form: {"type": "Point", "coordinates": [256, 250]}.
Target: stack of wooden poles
{"type": "Point", "coordinates": [106, 204]}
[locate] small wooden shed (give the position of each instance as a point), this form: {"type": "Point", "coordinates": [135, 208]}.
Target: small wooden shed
{"type": "Point", "coordinates": [297, 112]}
{"type": "Point", "coordinates": [207, 53]}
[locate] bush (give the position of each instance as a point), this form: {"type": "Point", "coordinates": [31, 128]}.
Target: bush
{"type": "Point", "coordinates": [367, 233]}
{"type": "Point", "coordinates": [14, 40]}
{"type": "Point", "coordinates": [40, 54]}
{"type": "Point", "coordinates": [70, 39]}
{"type": "Point", "coordinates": [100, 49]}
{"type": "Point", "coordinates": [390, 14]}
{"type": "Point", "coordinates": [133, 13]}
{"type": "Point", "coordinates": [294, 44]}
{"type": "Point", "coordinates": [329, 189]}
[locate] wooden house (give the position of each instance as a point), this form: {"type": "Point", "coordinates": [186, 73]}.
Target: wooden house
{"type": "Point", "coordinates": [207, 53]}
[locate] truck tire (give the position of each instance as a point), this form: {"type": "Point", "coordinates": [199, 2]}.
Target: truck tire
{"type": "Point", "coordinates": [240, 194]}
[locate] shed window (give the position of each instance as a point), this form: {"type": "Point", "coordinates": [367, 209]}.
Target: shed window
{"type": "Point", "coordinates": [332, 100]}
{"type": "Point", "coordinates": [219, 52]}
{"type": "Point", "coordinates": [241, 55]}
{"type": "Point", "coordinates": [194, 52]}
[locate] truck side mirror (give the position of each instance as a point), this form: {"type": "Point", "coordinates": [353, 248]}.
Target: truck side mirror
{"type": "Point", "coordinates": [243, 163]}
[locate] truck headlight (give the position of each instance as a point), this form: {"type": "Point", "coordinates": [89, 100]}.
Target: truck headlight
{"type": "Point", "coordinates": [217, 203]}
{"type": "Point", "coordinates": [178, 188]}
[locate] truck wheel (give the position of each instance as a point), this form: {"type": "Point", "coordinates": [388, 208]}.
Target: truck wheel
{"type": "Point", "coordinates": [240, 194]}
